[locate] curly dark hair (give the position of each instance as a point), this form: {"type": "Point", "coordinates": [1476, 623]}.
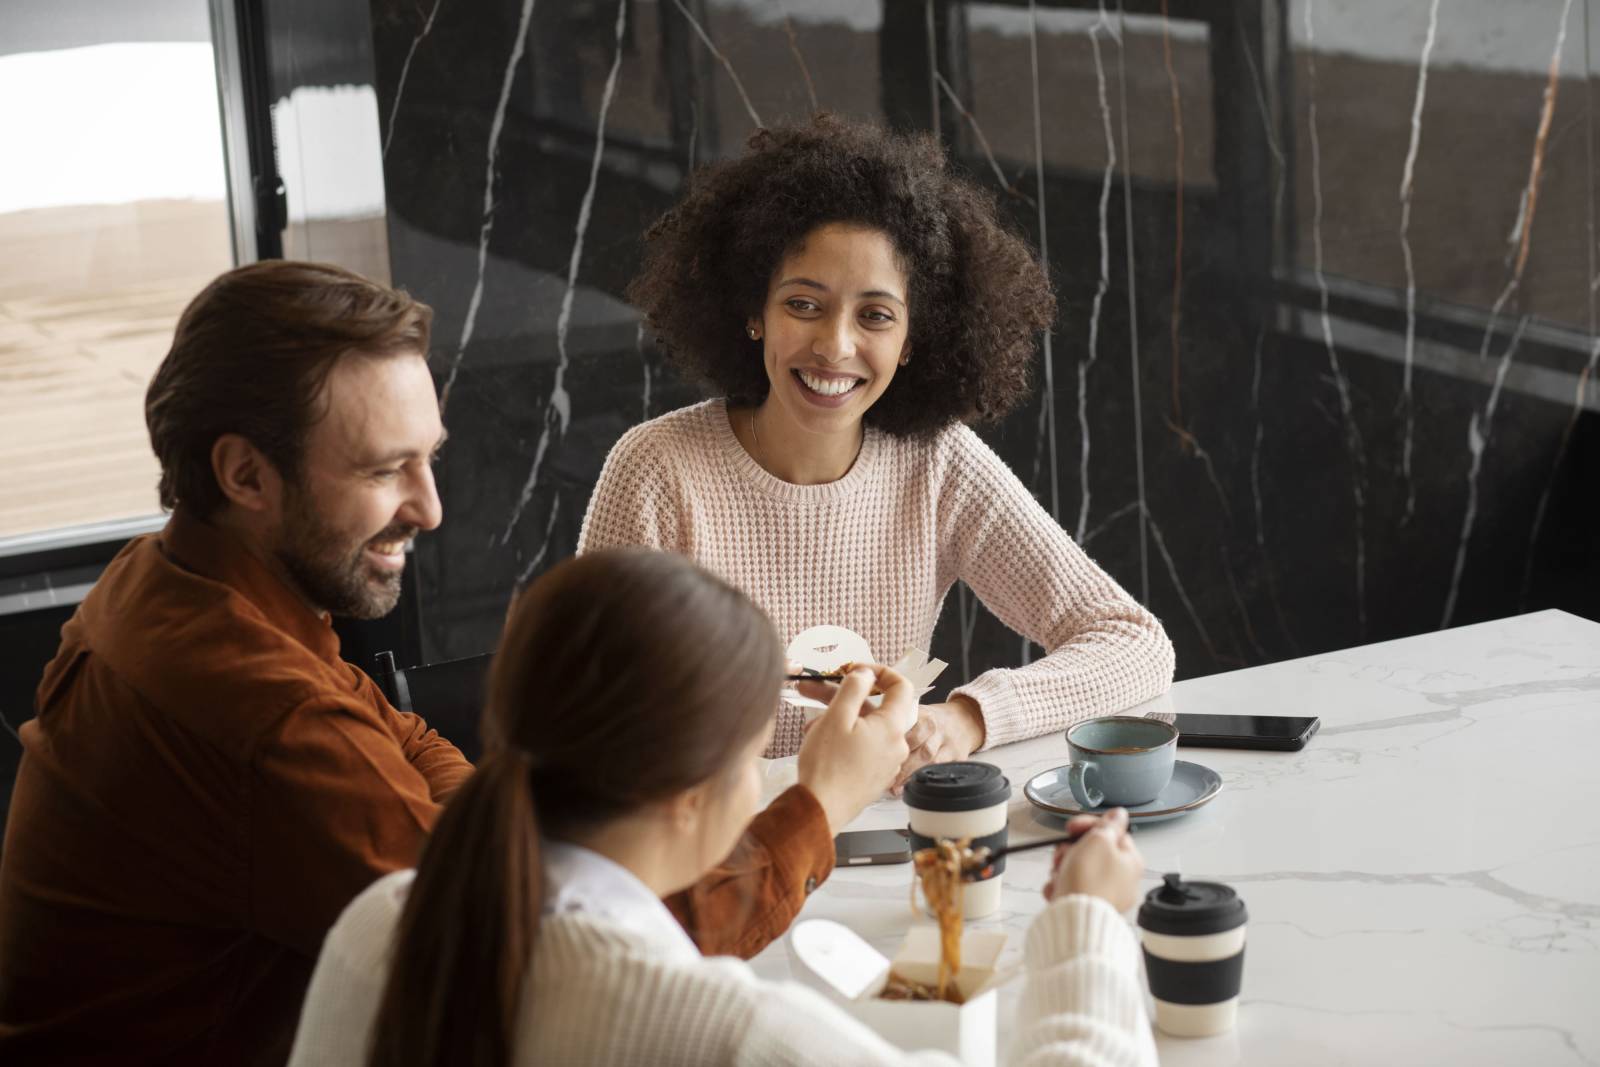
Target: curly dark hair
{"type": "Point", "coordinates": [978, 297]}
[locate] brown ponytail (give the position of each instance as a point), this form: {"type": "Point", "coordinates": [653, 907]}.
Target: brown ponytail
{"type": "Point", "coordinates": [445, 939]}
{"type": "Point", "coordinates": [623, 677]}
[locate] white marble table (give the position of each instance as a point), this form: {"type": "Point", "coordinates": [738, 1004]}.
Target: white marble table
{"type": "Point", "coordinates": [1423, 879]}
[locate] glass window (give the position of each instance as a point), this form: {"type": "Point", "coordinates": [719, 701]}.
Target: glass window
{"type": "Point", "coordinates": [113, 214]}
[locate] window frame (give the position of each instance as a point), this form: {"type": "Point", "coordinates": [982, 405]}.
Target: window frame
{"type": "Point", "coordinates": [55, 559]}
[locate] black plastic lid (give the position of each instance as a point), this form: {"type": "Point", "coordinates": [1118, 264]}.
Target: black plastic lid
{"type": "Point", "coordinates": [1189, 909]}
{"type": "Point", "coordinates": [964, 786]}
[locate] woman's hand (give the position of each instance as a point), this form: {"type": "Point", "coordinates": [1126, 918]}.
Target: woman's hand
{"type": "Point", "coordinates": [1103, 863]}
{"type": "Point", "coordinates": [944, 732]}
{"type": "Point", "coordinates": [850, 754]}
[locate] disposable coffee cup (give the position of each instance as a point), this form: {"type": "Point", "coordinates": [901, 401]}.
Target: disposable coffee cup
{"type": "Point", "coordinates": [962, 800]}
{"type": "Point", "coordinates": [1193, 935]}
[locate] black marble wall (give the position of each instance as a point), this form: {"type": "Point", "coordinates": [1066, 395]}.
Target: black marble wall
{"type": "Point", "coordinates": [1327, 276]}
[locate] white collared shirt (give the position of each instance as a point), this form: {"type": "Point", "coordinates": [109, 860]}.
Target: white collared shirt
{"type": "Point", "coordinates": [577, 879]}
{"type": "Point", "coordinates": [605, 1001]}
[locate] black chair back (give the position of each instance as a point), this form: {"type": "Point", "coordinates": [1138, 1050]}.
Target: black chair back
{"type": "Point", "coordinates": [449, 696]}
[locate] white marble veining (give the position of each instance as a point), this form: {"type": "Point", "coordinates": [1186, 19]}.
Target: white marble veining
{"type": "Point", "coordinates": [405, 72]}
{"type": "Point", "coordinates": [1047, 412]}
{"type": "Point", "coordinates": [977, 131]}
{"type": "Point", "coordinates": [1481, 426]}
{"type": "Point", "coordinates": [705, 39]}
{"type": "Point", "coordinates": [1423, 879]}
{"type": "Point", "coordinates": [649, 375]}
{"type": "Point", "coordinates": [1133, 308]}
{"type": "Point", "coordinates": [1177, 585]}
{"type": "Point", "coordinates": [558, 409]}
{"type": "Point", "coordinates": [1280, 183]}
{"type": "Point", "coordinates": [1354, 443]}
{"type": "Point", "coordinates": [967, 617]}
{"type": "Point", "coordinates": [799, 57]}
{"type": "Point", "coordinates": [533, 565]}
{"type": "Point", "coordinates": [1106, 523]}
{"type": "Point", "coordinates": [1407, 188]}
{"type": "Point", "coordinates": [1584, 378]}
{"type": "Point", "coordinates": [1102, 26]}
{"type": "Point", "coordinates": [491, 178]}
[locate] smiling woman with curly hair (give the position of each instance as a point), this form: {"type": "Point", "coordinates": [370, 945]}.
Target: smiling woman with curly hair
{"type": "Point", "coordinates": [980, 297]}
{"type": "Point", "coordinates": [854, 305]}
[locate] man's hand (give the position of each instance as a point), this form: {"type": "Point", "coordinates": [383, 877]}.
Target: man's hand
{"type": "Point", "coordinates": [943, 733]}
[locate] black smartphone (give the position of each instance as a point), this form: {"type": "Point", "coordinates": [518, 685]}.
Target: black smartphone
{"type": "Point", "coordinates": [1277, 733]}
{"type": "Point", "coordinates": [857, 848]}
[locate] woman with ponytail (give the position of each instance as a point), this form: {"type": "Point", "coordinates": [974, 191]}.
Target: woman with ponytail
{"type": "Point", "coordinates": [628, 706]}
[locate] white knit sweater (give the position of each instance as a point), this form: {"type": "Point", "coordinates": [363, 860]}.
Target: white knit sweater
{"type": "Point", "coordinates": [877, 550]}
{"type": "Point", "coordinates": [624, 993]}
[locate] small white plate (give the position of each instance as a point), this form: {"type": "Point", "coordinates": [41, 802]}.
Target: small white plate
{"type": "Point", "coordinates": [1192, 786]}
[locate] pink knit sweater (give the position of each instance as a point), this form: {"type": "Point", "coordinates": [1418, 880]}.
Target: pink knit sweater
{"type": "Point", "coordinates": [877, 550]}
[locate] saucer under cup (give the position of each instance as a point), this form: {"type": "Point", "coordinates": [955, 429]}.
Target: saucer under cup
{"type": "Point", "coordinates": [1193, 785]}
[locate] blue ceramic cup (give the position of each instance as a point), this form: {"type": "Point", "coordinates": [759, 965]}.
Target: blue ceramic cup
{"type": "Point", "coordinates": [1120, 760]}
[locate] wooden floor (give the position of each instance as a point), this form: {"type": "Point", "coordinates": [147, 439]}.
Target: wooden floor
{"type": "Point", "coordinates": [88, 300]}
{"type": "Point", "coordinates": [72, 382]}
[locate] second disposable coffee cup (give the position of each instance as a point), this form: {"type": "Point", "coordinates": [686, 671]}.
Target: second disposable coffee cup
{"type": "Point", "coordinates": [1193, 935]}
{"type": "Point", "coordinates": [960, 800]}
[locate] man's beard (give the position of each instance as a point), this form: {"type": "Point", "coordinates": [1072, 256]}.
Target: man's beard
{"type": "Point", "coordinates": [331, 571]}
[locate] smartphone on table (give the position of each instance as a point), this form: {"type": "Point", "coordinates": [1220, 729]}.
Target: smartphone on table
{"type": "Point", "coordinates": [859, 848]}
{"type": "Point", "coordinates": [1275, 733]}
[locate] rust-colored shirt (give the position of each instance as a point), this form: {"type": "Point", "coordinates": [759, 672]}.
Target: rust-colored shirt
{"type": "Point", "coordinates": [204, 789]}
{"type": "Point", "coordinates": [741, 906]}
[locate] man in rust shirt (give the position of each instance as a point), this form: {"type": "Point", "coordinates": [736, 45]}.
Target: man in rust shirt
{"type": "Point", "coordinates": [206, 784]}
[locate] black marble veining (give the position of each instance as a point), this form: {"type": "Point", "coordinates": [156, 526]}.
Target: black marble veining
{"type": "Point", "coordinates": [1327, 279]}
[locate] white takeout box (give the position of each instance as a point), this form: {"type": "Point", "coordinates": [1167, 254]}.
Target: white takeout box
{"type": "Point", "coordinates": [835, 959]}
{"type": "Point", "coordinates": [826, 648]}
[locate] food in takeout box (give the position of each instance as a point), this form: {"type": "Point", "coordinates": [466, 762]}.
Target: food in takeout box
{"type": "Point", "coordinates": [939, 870]}
{"type": "Point", "coordinates": [938, 991]}
{"type": "Point", "coordinates": [830, 649]}
{"type": "Point", "coordinates": [837, 960]}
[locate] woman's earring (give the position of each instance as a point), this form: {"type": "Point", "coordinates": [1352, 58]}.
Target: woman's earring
{"type": "Point", "coordinates": [905, 359]}
{"type": "Point", "coordinates": [755, 334]}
